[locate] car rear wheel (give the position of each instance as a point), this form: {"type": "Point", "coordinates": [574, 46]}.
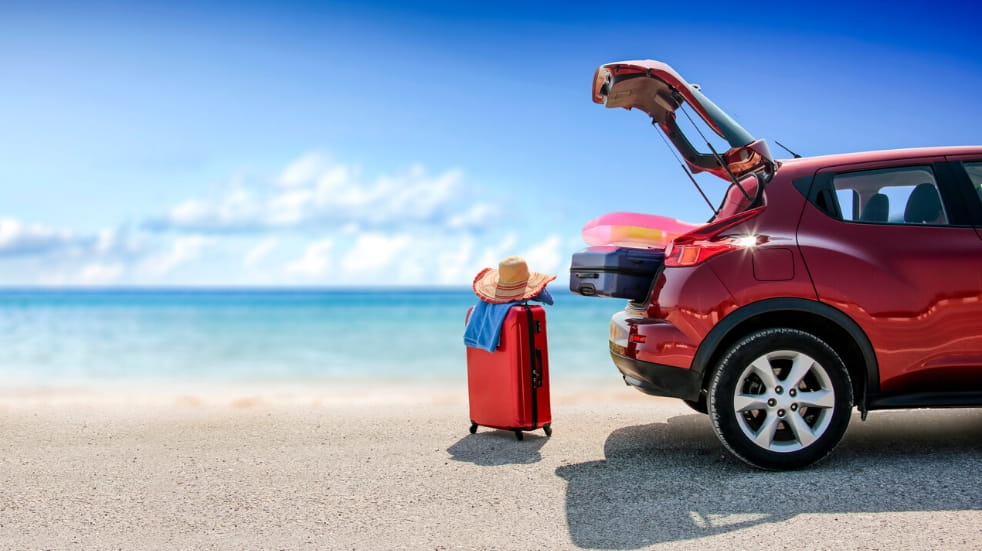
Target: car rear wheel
{"type": "Point", "coordinates": [780, 399]}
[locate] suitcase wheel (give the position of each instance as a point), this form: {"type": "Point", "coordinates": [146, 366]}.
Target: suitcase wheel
{"type": "Point", "coordinates": [519, 435]}
{"type": "Point", "coordinates": [548, 429]}
{"type": "Point", "coordinates": [473, 427]}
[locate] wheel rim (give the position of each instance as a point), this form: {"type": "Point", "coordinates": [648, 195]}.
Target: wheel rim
{"type": "Point", "coordinates": [784, 401]}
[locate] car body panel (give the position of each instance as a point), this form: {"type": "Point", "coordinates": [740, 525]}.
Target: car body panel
{"type": "Point", "coordinates": [774, 230]}
{"type": "Point", "coordinates": [971, 188]}
{"type": "Point", "coordinates": [914, 289]}
{"type": "Point", "coordinates": [687, 302]}
{"type": "Point", "coordinates": [819, 284]}
{"type": "Point", "coordinates": [690, 305]}
{"type": "Point", "coordinates": [926, 336]}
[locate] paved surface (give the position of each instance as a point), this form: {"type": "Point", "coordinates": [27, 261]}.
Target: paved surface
{"type": "Point", "coordinates": [634, 474]}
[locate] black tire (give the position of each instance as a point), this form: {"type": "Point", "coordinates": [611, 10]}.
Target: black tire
{"type": "Point", "coordinates": [473, 427]}
{"type": "Point", "coordinates": [780, 399]}
{"type": "Point", "coordinates": [519, 435]}
{"type": "Point", "coordinates": [699, 405]}
{"type": "Point", "coordinates": [547, 429]}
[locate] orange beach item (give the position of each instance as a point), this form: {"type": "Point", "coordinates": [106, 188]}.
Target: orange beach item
{"type": "Point", "coordinates": [635, 230]}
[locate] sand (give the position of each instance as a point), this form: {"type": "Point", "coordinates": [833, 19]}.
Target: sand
{"type": "Point", "coordinates": [395, 468]}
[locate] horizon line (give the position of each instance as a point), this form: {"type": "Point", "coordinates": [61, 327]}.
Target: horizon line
{"type": "Point", "coordinates": [236, 287]}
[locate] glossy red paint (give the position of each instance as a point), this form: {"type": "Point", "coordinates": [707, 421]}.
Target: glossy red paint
{"type": "Point", "coordinates": [915, 291]}
{"type": "Point", "coordinates": [652, 68]}
{"type": "Point", "coordinates": [822, 284]}
{"type": "Point", "coordinates": [655, 88]}
{"type": "Point", "coordinates": [690, 301]}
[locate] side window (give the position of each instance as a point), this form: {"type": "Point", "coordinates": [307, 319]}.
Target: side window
{"type": "Point", "coordinates": [902, 195]}
{"type": "Point", "coordinates": [848, 203]}
{"type": "Point", "coordinates": [735, 201]}
{"type": "Point", "coordinates": [974, 171]}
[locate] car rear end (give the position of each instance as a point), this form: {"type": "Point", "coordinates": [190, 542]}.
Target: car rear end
{"type": "Point", "coordinates": [746, 254]}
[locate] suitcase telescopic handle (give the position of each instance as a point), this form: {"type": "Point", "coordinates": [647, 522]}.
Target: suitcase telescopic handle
{"type": "Point", "coordinates": [535, 369]}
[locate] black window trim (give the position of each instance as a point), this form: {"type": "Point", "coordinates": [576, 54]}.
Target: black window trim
{"type": "Point", "coordinates": [950, 187]}
{"type": "Point", "coordinates": [964, 184]}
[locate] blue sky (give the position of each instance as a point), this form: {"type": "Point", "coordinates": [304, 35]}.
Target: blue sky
{"type": "Point", "coordinates": [413, 143]}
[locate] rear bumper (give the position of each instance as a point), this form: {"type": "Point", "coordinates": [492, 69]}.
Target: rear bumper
{"type": "Point", "coordinates": [658, 379]}
{"type": "Point", "coordinates": [654, 356]}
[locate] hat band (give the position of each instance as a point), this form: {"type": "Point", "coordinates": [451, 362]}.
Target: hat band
{"type": "Point", "coordinates": [509, 293]}
{"type": "Point", "coordinates": [512, 286]}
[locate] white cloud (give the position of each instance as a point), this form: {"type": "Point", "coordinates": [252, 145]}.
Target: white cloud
{"type": "Point", "coordinates": [490, 256]}
{"type": "Point", "coordinates": [289, 208]}
{"type": "Point", "coordinates": [477, 216]}
{"type": "Point", "coordinates": [100, 274]}
{"type": "Point", "coordinates": [190, 212]}
{"type": "Point", "coordinates": [302, 170]}
{"type": "Point", "coordinates": [17, 238]}
{"type": "Point", "coordinates": [259, 252]}
{"type": "Point", "coordinates": [183, 250]}
{"type": "Point", "coordinates": [439, 259]}
{"type": "Point", "coordinates": [238, 209]}
{"type": "Point", "coordinates": [106, 241]}
{"type": "Point", "coordinates": [412, 227]}
{"type": "Point", "coordinates": [431, 258]}
{"type": "Point", "coordinates": [547, 256]}
{"type": "Point", "coordinates": [454, 263]}
{"type": "Point", "coordinates": [315, 260]}
{"type": "Point", "coordinates": [459, 259]}
{"type": "Point", "coordinates": [316, 191]}
{"type": "Point", "coordinates": [372, 253]}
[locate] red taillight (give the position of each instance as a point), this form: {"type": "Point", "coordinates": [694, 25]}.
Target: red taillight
{"type": "Point", "coordinates": [701, 244]}
{"type": "Point", "coordinates": [640, 339]}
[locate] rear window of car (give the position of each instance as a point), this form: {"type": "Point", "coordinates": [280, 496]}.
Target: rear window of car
{"type": "Point", "coordinates": [736, 201]}
{"type": "Point", "coordinates": [901, 195]}
{"type": "Point", "coordinates": [974, 171]}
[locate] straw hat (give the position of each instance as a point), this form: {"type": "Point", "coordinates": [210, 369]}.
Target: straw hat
{"type": "Point", "coordinates": [511, 282]}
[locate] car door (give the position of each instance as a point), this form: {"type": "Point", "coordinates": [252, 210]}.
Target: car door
{"type": "Point", "coordinates": [903, 259]}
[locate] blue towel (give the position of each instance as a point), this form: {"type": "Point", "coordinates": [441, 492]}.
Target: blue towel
{"type": "Point", "coordinates": [484, 326]}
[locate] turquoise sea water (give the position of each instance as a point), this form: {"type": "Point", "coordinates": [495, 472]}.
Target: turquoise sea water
{"type": "Point", "coordinates": [71, 337]}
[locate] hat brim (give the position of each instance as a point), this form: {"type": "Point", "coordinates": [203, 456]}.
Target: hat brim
{"type": "Point", "coordinates": [486, 287]}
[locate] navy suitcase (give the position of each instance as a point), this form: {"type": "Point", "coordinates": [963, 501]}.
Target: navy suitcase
{"type": "Point", "coordinates": [617, 272]}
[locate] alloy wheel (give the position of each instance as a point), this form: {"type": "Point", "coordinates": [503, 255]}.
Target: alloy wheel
{"type": "Point", "coordinates": [784, 401]}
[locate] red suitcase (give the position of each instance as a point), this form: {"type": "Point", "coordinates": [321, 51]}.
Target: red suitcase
{"type": "Point", "coordinates": [509, 388]}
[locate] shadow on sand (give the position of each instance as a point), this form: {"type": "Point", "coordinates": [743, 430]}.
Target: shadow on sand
{"type": "Point", "coordinates": [491, 448]}
{"type": "Point", "coordinates": [673, 481]}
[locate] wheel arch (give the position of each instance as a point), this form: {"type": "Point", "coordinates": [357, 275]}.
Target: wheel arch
{"type": "Point", "coordinates": [828, 323]}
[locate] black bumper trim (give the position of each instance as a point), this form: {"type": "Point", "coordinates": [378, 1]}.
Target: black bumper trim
{"type": "Point", "coordinates": [658, 379]}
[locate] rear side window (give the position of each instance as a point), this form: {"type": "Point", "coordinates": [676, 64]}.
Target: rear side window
{"type": "Point", "coordinates": [902, 195]}
{"type": "Point", "coordinates": [848, 203]}
{"type": "Point", "coordinates": [739, 198]}
{"type": "Point", "coordinates": [974, 171]}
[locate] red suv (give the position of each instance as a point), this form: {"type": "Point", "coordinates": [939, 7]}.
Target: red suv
{"type": "Point", "coordinates": [821, 284]}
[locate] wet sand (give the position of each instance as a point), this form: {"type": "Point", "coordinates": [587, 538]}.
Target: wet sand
{"type": "Point", "coordinates": [396, 468]}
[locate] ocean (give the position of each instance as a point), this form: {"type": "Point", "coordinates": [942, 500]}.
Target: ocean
{"type": "Point", "coordinates": [91, 337]}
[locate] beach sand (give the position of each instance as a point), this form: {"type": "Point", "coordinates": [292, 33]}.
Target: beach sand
{"type": "Point", "coordinates": [394, 467]}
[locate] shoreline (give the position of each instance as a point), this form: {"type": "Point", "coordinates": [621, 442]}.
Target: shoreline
{"type": "Point", "coordinates": [295, 393]}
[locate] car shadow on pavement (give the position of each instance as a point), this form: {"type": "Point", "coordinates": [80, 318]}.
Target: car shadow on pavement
{"type": "Point", "coordinates": [673, 481]}
{"type": "Point", "coordinates": [491, 448]}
